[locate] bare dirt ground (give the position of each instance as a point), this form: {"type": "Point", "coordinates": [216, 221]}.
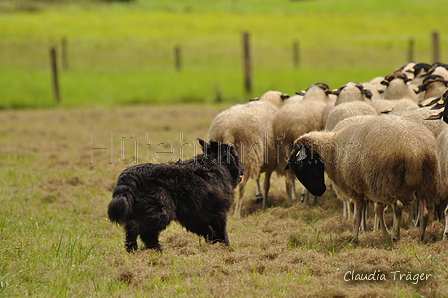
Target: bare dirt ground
{"type": "Point", "coordinates": [59, 167]}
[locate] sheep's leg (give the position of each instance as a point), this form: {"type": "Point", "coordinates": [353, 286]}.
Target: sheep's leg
{"type": "Point", "coordinates": [302, 195]}
{"type": "Point", "coordinates": [359, 207]}
{"type": "Point", "coordinates": [351, 210]}
{"type": "Point", "coordinates": [344, 209]}
{"type": "Point", "coordinates": [416, 213]}
{"type": "Point", "coordinates": [398, 211]}
{"type": "Point", "coordinates": [379, 212]}
{"type": "Point", "coordinates": [363, 216]}
{"type": "Point", "coordinates": [306, 197]}
{"type": "Point", "coordinates": [266, 186]}
{"type": "Point", "coordinates": [376, 222]}
{"type": "Point", "coordinates": [239, 200]}
{"type": "Point", "coordinates": [445, 234]}
{"type": "Point", "coordinates": [258, 195]}
{"type": "Point", "coordinates": [423, 210]}
{"type": "Point", "coordinates": [290, 186]}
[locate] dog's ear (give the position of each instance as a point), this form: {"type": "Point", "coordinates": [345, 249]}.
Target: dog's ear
{"type": "Point", "coordinates": [228, 154]}
{"type": "Point", "coordinates": [215, 146]}
{"type": "Point", "coordinates": [205, 146]}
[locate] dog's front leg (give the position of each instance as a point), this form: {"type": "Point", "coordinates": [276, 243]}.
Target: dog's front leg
{"type": "Point", "coordinates": [218, 232]}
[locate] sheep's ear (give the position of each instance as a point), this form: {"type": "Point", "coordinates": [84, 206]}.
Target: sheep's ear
{"type": "Point", "coordinates": [385, 82]}
{"type": "Point", "coordinates": [336, 91]}
{"type": "Point", "coordinates": [302, 93]}
{"type": "Point", "coordinates": [367, 93]}
{"type": "Point", "coordinates": [301, 154]}
{"type": "Point", "coordinates": [435, 116]}
{"type": "Point", "coordinates": [284, 96]}
{"type": "Point", "coordinates": [440, 103]}
{"type": "Point", "coordinates": [387, 111]}
{"type": "Point", "coordinates": [418, 89]}
{"type": "Point", "coordinates": [432, 102]}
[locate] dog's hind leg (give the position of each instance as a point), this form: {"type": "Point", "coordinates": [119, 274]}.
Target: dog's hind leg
{"type": "Point", "coordinates": [131, 237]}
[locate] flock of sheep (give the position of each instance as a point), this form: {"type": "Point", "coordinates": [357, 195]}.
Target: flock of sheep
{"type": "Point", "coordinates": [384, 141]}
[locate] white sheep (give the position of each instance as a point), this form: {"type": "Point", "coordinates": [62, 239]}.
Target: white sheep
{"type": "Point", "coordinates": [346, 93]}
{"type": "Point", "coordinates": [346, 110]}
{"type": "Point", "coordinates": [397, 87]}
{"type": "Point", "coordinates": [248, 127]}
{"type": "Point", "coordinates": [440, 69]}
{"type": "Point", "coordinates": [347, 209]}
{"type": "Point", "coordinates": [420, 115]}
{"type": "Point", "coordinates": [352, 92]}
{"type": "Point", "coordinates": [417, 73]}
{"type": "Point", "coordinates": [442, 154]}
{"type": "Point", "coordinates": [293, 120]}
{"type": "Point", "coordinates": [433, 86]}
{"type": "Point", "coordinates": [386, 159]}
{"type": "Point", "coordinates": [384, 105]}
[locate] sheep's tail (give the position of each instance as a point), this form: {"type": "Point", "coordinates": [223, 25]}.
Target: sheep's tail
{"type": "Point", "coordinates": [121, 205]}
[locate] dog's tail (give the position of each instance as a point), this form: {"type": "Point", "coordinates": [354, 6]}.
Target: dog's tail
{"type": "Point", "coordinates": [120, 207]}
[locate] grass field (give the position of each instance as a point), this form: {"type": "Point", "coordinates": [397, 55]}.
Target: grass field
{"type": "Point", "coordinates": [56, 240]}
{"type": "Point", "coordinates": [124, 53]}
{"type": "Point", "coordinates": [124, 102]}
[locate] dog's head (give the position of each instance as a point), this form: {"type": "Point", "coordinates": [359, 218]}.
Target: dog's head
{"type": "Point", "coordinates": [225, 154]}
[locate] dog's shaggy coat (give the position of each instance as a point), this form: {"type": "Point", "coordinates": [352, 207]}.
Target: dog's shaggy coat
{"type": "Point", "coordinates": [197, 193]}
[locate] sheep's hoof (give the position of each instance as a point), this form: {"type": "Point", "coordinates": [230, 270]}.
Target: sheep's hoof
{"type": "Point", "coordinates": [395, 239]}
{"type": "Point", "coordinates": [445, 236]}
{"type": "Point", "coordinates": [259, 198]}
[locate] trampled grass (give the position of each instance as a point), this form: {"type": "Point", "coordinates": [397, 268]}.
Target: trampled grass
{"type": "Point", "coordinates": [56, 241]}
{"type": "Point", "coordinates": [124, 53]}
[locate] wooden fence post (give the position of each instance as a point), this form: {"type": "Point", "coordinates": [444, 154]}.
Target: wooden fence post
{"type": "Point", "coordinates": [247, 63]}
{"type": "Point", "coordinates": [411, 50]}
{"type": "Point", "coordinates": [296, 53]}
{"type": "Point", "coordinates": [54, 70]}
{"type": "Point", "coordinates": [435, 47]}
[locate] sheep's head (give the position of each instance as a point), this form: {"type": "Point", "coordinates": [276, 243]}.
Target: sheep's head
{"type": "Point", "coordinates": [394, 76]}
{"type": "Point", "coordinates": [429, 81]}
{"type": "Point", "coordinates": [441, 102]}
{"type": "Point", "coordinates": [308, 168]}
{"type": "Point", "coordinates": [354, 86]}
{"type": "Point", "coordinates": [419, 69]}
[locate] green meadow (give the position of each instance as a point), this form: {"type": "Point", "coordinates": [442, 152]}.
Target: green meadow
{"type": "Point", "coordinates": [123, 53]}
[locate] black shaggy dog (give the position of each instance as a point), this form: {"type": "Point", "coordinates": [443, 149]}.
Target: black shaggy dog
{"type": "Point", "coordinates": [197, 193]}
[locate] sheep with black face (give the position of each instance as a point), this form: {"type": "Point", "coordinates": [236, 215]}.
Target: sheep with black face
{"type": "Point", "coordinates": [386, 159]}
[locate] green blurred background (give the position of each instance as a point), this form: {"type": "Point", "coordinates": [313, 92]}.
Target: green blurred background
{"type": "Point", "coordinates": [123, 52]}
